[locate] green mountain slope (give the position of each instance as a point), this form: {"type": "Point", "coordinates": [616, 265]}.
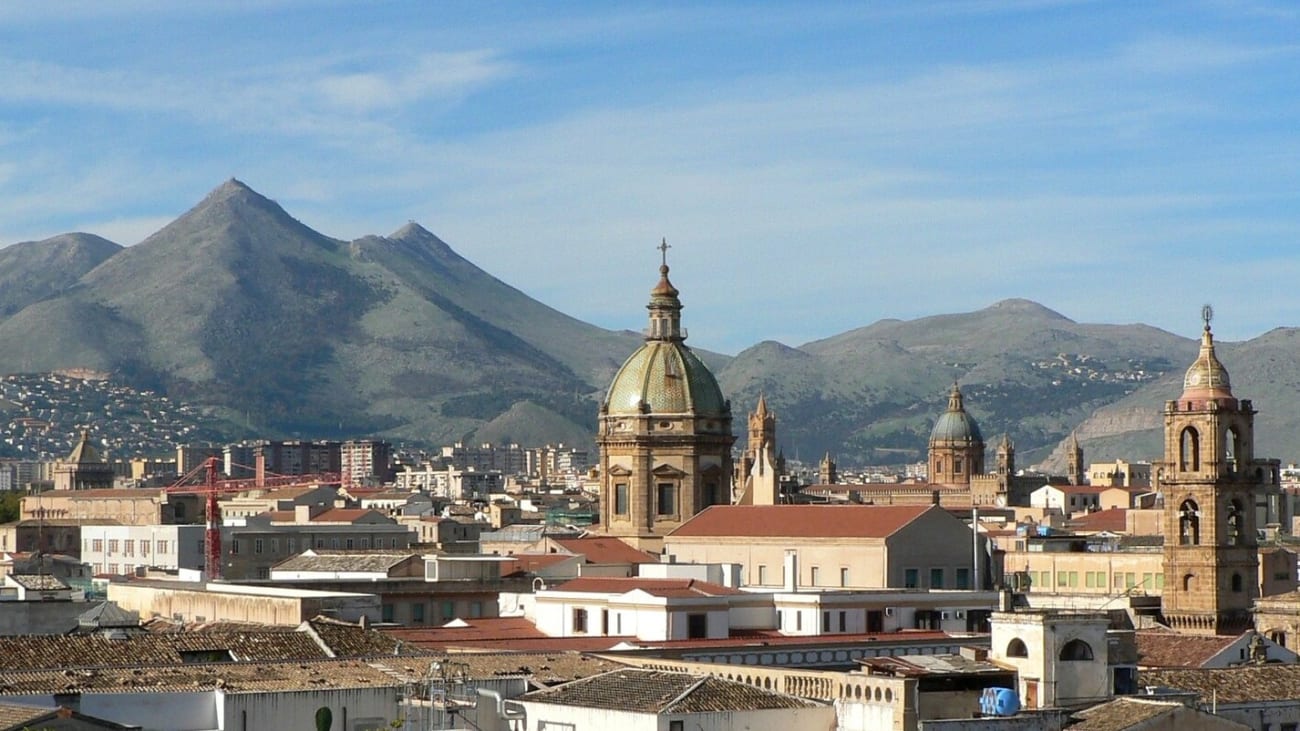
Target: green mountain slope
{"type": "Point", "coordinates": [35, 270]}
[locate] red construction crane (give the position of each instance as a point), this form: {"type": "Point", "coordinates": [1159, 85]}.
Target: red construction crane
{"type": "Point", "coordinates": [212, 486]}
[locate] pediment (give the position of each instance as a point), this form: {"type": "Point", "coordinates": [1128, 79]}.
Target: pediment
{"type": "Point", "coordinates": [619, 470]}
{"type": "Point", "coordinates": [667, 470]}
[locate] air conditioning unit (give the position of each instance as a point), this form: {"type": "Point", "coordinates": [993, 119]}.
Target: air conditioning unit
{"type": "Point", "coordinates": [889, 611]}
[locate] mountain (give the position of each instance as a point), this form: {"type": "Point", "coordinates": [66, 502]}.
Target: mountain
{"type": "Point", "coordinates": [872, 394]}
{"type": "Point", "coordinates": [242, 311]}
{"type": "Point", "coordinates": [34, 270]}
{"type": "Point", "coordinates": [239, 306]}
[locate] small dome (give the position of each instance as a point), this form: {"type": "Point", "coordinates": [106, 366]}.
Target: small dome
{"type": "Point", "coordinates": [669, 379]}
{"type": "Point", "coordinates": [1207, 378]}
{"type": "Point", "coordinates": [955, 425]}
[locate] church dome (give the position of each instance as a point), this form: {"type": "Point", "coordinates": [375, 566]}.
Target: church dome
{"type": "Point", "coordinates": [669, 379]}
{"type": "Point", "coordinates": [1207, 378]}
{"type": "Point", "coordinates": [663, 376]}
{"type": "Point", "coordinates": [955, 425]}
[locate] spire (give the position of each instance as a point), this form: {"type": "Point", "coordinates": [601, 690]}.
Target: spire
{"type": "Point", "coordinates": [954, 399]}
{"type": "Point", "coordinates": [1207, 378]}
{"type": "Point", "coordinates": [761, 409]}
{"type": "Point", "coordinates": [1074, 441]}
{"type": "Point", "coordinates": [665, 308]}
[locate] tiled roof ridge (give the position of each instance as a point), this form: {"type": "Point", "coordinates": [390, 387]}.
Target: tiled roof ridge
{"type": "Point", "coordinates": [667, 708]}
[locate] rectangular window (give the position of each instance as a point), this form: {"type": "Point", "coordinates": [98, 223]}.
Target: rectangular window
{"type": "Point", "coordinates": [815, 576]}
{"type": "Point", "coordinates": [1090, 580]}
{"type": "Point", "coordinates": [911, 578]}
{"type": "Point", "coordinates": [936, 578]}
{"type": "Point", "coordinates": [762, 575]}
{"type": "Point", "coordinates": [291, 544]}
{"type": "Point", "coordinates": [1160, 581]}
{"type": "Point", "coordinates": [1074, 579]}
{"type": "Point", "coordinates": [275, 545]}
{"type": "Point", "coordinates": [798, 621]}
{"type": "Point", "coordinates": [667, 502]}
{"type": "Point", "coordinates": [1148, 581]}
{"type": "Point", "coordinates": [417, 612]}
{"type": "Point", "coordinates": [1062, 578]}
{"type": "Point", "coordinates": [98, 543]}
{"type": "Point", "coordinates": [1130, 579]}
{"type": "Point", "coordinates": [114, 545]}
{"type": "Point", "coordinates": [963, 578]}
{"type": "Point", "coordinates": [1118, 581]}
{"type": "Point", "coordinates": [160, 546]}
{"type": "Point", "coordinates": [844, 577]}
{"type": "Point", "coordinates": [475, 609]}
{"type": "Point", "coordinates": [112, 569]}
{"type": "Point", "coordinates": [844, 621]}
{"type": "Point", "coordinates": [348, 544]}
{"type": "Point", "coordinates": [387, 612]}
{"type": "Point", "coordinates": [826, 621]}
{"type": "Point", "coordinates": [144, 548]}
{"type": "Point", "coordinates": [580, 620]}
{"type": "Point", "coordinates": [620, 498]}
{"type": "Point", "coordinates": [334, 543]}
{"type": "Point", "coordinates": [681, 726]}
{"type": "Point", "coordinates": [257, 545]}
{"type": "Point", "coordinates": [449, 610]}
{"type": "Point", "coordinates": [129, 546]}
{"type": "Point", "coordinates": [234, 547]}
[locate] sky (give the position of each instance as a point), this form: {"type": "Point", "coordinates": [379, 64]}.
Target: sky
{"type": "Point", "coordinates": [815, 167]}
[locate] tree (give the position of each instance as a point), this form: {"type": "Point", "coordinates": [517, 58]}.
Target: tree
{"type": "Point", "coordinates": [10, 507]}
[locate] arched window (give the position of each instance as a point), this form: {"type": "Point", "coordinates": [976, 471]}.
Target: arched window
{"type": "Point", "coordinates": [1237, 583]}
{"type": "Point", "coordinates": [1189, 450]}
{"type": "Point", "coordinates": [1234, 511]}
{"type": "Point", "coordinates": [1075, 650]}
{"type": "Point", "coordinates": [1189, 582]}
{"type": "Point", "coordinates": [1016, 648]}
{"type": "Point", "coordinates": [1231, 448]}
{"type": "Point", "coordinates": [1189, 523]}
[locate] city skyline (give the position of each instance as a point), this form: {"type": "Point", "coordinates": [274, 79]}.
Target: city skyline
{"type": "Point", "coordinates": [815, 170]}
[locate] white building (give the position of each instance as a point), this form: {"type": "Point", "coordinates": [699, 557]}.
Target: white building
{"type": "Point", "coordinates": [1061, 657]}
{"type": "Point", "coordinates": [121, 549]}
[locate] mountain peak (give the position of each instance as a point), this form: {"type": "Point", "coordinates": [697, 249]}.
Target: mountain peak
{"type": "Point", "coordinates": [1026, 307]}
{"type": "Point", "coordinates": [411, 230]}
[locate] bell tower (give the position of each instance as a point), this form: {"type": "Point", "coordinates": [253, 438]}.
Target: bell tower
{"type": "Point", "coordinates": [1210, 479]}
{"type": "Point", "coordinates": [1074, 461]}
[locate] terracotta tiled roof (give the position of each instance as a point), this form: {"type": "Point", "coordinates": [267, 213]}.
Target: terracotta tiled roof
{"type": "Point", "coordinates": [1121, 714]}
{"type": "Point", "coordinates": [801, 521]}
{"type": "Point", "coordinates": [16, 716]}
{"type": "Point", "coordinates": [543, 669]}
{"type": "Point", "coordinates": [1082, 489]}
{"type": "Point", "coordinates": [604, 550]}
{"type": "Point", "coordinates": [654, 587]}
{"type": "Point", "coordinates": [658, 692]}
{"type": "Point", "coordinates": [1165, 649]}
{"type": "Point", "coordinates": [1113, 520]}
{"type": "Point", "coordinates": [230, 677]}
{"type": "Point", "coordinates": [37, 582]}
{"type": "Point", "coordinates": [349, 640]}
{"type": "Point", "coordinates": [33, 652]}
{"type": "Point", "coordinates": [1231, 685]}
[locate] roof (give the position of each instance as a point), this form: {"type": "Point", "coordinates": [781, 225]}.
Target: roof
{"type": "Point", "coordinates": [362, 561]}
{"type": "Point", "coordinates": [955, 425]}
{"type": "Point", "coordinates": [1114, 520]}
{"type": "Point", "coordinates": [601, 549]}
{"type": "Point", "coordinates": [230, 677]}
{"type": "Point", "coordinates": [108, 615]}
{"type": "Point", "coordinates": [1231, 685]}
{"type": "Point", "coordinates": [1122, 713]}
{"type": "Point", "coordinates": [37, 582]}
{"type": "Point", "coordinates": [659, 692]}
{"type": "Point", "coordinates": [915, 666]}
{"type": "Point", "coordinates": [33, 652]}
{"type": "Point", "coordinates": [1164, 649]}
{"type": "Point", "coordinates": [344, 515]}
{"type": "Point", "coordinates": [541, 668]}
{"type": "Point", "coordinates": [675, 588]}
{"type": "Point", "coordinates": [801, 521]}
{"type": "Point", "coordinates": [16, 716]}
{"type": "Point", "coordinates": [107, 492]}
{"type": "Point", "coordinates": [83, 452]}
{"type": "Point", "coordinates": [1080, 489]}
{"type": "Point", "coordinates": [528, 563]}
{"type": "Point", "coordinates": [667, 378]}
{"type": "Point", "coordinates": [350, 640]}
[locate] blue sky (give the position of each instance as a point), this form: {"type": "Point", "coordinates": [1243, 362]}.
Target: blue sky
{"type": "Point", "coordinates": [816, 168]}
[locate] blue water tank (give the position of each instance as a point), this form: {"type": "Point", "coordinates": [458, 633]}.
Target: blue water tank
{"type": "Point", "coordinates": [999, 702]}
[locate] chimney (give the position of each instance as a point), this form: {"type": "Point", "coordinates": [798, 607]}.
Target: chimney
{"type": "Point", "coordinates": [259, 469]}
{"type": "Point", "coordinates": [791, 572]}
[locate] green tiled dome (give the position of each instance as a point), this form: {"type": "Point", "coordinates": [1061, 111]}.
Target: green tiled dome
{"type": "Point", "coordinates": [955, 425]}
{"type": "Point", "coordinates": [669, 378]}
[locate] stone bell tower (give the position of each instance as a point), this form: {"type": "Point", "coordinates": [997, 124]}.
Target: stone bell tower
{"type": "Point", "coordinates": [1210, 480]}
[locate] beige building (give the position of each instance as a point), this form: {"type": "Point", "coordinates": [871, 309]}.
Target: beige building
{"type": "Point", "coordinates": [138, 506]}
{"type": "Point", "coordinates": [956, 445]}
{"type": "Point", "coordinates": [664, 433]}
{"type": "Point", "coordinates": [832, 546]}
{"type": "Point", "coordinates": [1120, 474]}
{"type": "Point", "coordinates": [213, 602]}
{"type": "Point", "coordinates": [83, 469]}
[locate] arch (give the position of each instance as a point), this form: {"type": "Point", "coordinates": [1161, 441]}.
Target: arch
{"type": "Point", "coordinates": [1076, 650]}
{"type": "Point", "coordinates": [1189, 523]}
{"type": "Point", "coordinates": [1235, 512]}
{"type": "Point", "coordinates": [1232, 455]}
{"type": "Point", "coordinates": [1189, 450]}
{"type": "Point", "coordinates": [1017, 648]}
{"type": "Point", "coordinates": [1237, 583]}
{"type": "Point", "coordinates": [1189, 582]}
